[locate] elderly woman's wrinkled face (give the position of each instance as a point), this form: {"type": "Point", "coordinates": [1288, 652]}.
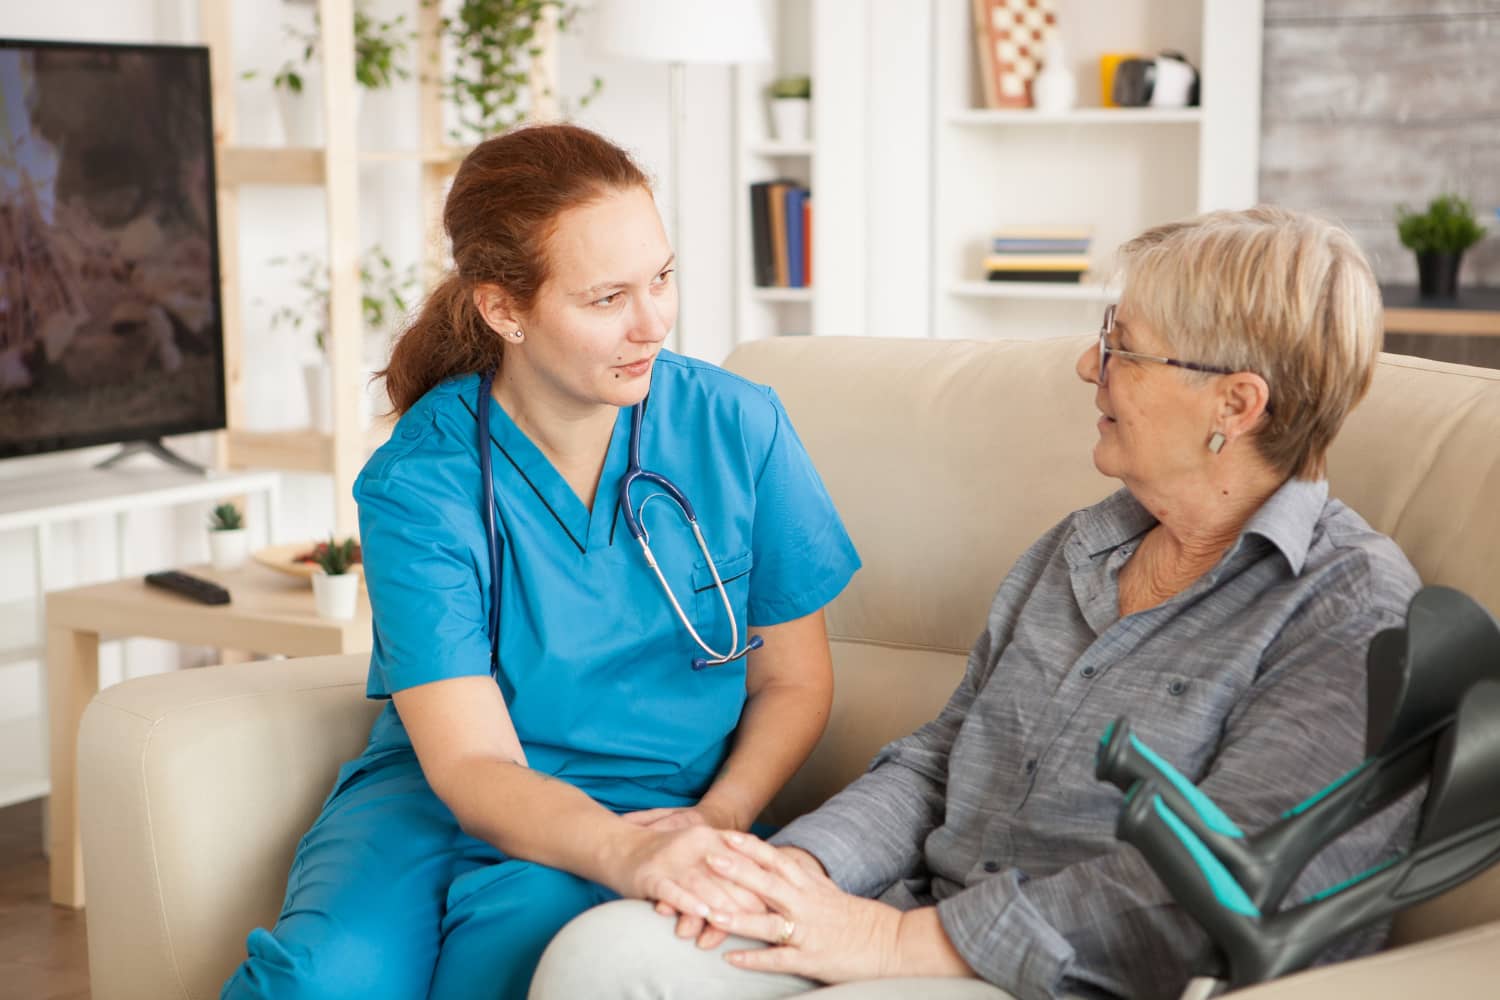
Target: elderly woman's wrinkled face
{"type": "Point", "coordinates": [1155, 418]}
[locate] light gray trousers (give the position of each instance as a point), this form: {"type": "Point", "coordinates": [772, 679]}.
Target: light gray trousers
{"type": "Point", "coordinates": [626, 950]}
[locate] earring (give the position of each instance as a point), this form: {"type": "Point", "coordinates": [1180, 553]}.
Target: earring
{"type": "Point", "coordinates": [518, 336]}
{"type": "Point", "coordinates": [1216, 442]}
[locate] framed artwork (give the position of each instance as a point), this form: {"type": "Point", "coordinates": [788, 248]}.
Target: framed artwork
{"type": "Point", "coordinates": [1012, 35]}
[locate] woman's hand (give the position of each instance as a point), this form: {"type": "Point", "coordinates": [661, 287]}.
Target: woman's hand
{"type": "Point", "coordinates": [670, 866]}
{"type": "Point", "coordinates": [816, 929]}
{"type": "Point", "coordinates": [679, 818]}
{"type": "Point", "coordinates": [689, 924]}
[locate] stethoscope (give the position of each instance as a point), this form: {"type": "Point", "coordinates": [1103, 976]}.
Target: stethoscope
{"type": "Point", "coordinates": [633, 473]}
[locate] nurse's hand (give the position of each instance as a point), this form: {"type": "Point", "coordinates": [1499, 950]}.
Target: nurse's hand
{"type": "Point", "coordinates": [670, 866]}
{"type": "Point", "coordinates": [680, 818]}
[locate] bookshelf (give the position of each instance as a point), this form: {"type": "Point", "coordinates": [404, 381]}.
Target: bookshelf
{"type": "Point", "coordinates": [1116, 170]}
{"type": "Point", "coordinates": [760, 156]}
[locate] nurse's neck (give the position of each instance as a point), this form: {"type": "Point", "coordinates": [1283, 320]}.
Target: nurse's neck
{"type": "Point", "coordinates": [574, 437]}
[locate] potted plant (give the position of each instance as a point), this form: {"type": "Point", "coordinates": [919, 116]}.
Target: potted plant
{"type": "Point", "coordinates": [227, 541]}
{"type": "Point", "coordinates": [1439, 237]}
{"type": "Point", "coordinates": [493, 42]}
{"type": "Point", "coordinates": [386, 293]}
{"type": "Point", "coordinates": [379, 47]}
{"type": "Point", "coordinates": [335, 584]}
{"type": "Point", "coordinates": [791, 99]}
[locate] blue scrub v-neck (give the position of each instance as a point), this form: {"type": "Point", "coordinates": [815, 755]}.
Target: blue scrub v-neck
{"type": "Point", "coordinates": [588, 529]}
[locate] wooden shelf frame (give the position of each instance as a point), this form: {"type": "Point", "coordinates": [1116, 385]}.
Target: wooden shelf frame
{"type": "Point", "coordinates": [334, 168]}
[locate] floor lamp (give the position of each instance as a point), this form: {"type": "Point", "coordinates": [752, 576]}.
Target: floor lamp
{"type": "Point", "coordinates": [678, 32]}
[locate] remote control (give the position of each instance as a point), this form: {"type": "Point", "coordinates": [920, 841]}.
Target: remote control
{"type": "Point", "coordinates": [192, 587]}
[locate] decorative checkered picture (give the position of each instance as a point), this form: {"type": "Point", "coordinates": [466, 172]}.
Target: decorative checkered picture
{"type": "Point", "coordinates": [1012, 35]}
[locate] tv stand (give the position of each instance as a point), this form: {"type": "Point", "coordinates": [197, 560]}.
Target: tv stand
{"type": "Point", "coordinates": [152, 447]}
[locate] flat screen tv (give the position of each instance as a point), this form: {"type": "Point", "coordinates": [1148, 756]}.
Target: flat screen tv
{"type": "Point", "coordinates": [110, 319]}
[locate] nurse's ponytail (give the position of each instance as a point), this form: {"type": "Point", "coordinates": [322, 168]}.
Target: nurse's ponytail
{"type": "Point", "coordinates": [499, 214]}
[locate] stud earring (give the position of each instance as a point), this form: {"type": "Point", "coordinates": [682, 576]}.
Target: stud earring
{"type": "Point", "coordinates": [1216, 442]}
{"type": "Point", "coordinates": [518, 336]}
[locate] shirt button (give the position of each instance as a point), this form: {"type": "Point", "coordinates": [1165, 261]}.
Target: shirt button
{"type": "Point", "coordinates": [1089, 670]}
{"type": "Point", "coordinates": [1031, 765]}
{"type": "Point", "coordinates": [992, 866]}
{"type": "Point", "coordinates": [411, 433]}
{"type": "Point", "coordinates": [1176, 687]}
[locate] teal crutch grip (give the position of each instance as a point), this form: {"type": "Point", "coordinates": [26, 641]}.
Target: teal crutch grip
{"type": "Point", "coordinates": [1123, 759]}
{"type": "Point", "coordinates": [1183, 862]}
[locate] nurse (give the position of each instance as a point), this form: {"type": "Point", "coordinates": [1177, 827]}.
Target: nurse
{"type": "Point", "coordinates": [585, 756]}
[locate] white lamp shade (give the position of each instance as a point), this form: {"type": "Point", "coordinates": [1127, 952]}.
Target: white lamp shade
{"type": "Point", "coordinates": [683, 31]}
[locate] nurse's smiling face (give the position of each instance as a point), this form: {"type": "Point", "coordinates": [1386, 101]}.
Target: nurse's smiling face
{"type": "Point", "coordinates": [591, 336]}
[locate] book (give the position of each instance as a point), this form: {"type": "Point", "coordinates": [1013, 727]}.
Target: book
{"type": "Point", "coordinates": [1010, 275]}
{"type": "Point", "coordinates": [807, 240]}
{"type": "Point", "coordinates": [760, 234]}
{"type": "Point", "coordinates": [795, 196]}
{"type": "Point", "coordinates": [777, 197]}
{"type": "Point", "coordinates": [1036, 262]}
{"type": "Point", "coordinates": [1002, 244]}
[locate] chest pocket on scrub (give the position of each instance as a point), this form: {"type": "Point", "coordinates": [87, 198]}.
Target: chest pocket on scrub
{"type": "Point", "coordinates": [708, 607]}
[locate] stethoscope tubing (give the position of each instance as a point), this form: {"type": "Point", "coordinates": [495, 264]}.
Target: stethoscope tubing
{"type": "Point", "coordinates": [633, 474]}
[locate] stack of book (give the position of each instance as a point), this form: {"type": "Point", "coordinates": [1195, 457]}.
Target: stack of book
{"type": "Point", "coordinates": [1038, 253]}
{"type": "Point", "coordinates": [781, 227]}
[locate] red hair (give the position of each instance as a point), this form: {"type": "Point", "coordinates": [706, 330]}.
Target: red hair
{"type": "Point", "coordinates": [499, 215]}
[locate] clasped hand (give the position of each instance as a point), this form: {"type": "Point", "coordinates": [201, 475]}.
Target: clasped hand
{"type": "Point", "coordinates": [667, 862]}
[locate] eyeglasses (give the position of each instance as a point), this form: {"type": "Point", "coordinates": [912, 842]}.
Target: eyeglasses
{"type": "Point", "coordinates": [1105, 351]}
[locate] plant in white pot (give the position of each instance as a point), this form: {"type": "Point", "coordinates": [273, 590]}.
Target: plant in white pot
{"type": "Point", "coordinates": [379, 48]}
{"type": "Point", "coordinates": [385, 295]}
{"type": "Point", "coordinates": [335, 581]}
{"type": "Point", "coordinates": [227, 541]}
{"type": "Point", "coordinates": [791, 103]}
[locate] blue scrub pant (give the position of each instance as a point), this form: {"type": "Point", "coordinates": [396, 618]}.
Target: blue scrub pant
{"type": "Point", "coordinates": [387, 897]}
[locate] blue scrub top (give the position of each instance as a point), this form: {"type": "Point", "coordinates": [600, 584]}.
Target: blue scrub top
{"type": "Point", "coordinates": [594, 664]}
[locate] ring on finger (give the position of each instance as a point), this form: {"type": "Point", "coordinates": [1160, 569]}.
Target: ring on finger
{"type": "Point", "coordinates": [788, 928]}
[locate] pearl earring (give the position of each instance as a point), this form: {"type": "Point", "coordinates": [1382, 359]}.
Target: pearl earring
{"type": "Point", "coordinates": [518, 336]}
{"type": "Point", "coordinates": [1216, 442]}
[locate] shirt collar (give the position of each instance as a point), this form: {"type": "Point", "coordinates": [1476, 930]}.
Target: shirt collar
{"type": "Point", "coordinates": [1286, 520]}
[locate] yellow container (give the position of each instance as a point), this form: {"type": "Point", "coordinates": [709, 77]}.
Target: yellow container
{"type": "Point", "coordinates": [1108, 63]}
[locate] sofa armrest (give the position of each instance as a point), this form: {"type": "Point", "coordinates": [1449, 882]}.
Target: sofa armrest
{"type": "Point", "coordinates": [1455, 965]}
{"type": "Point", "coordinates": [194, 788]}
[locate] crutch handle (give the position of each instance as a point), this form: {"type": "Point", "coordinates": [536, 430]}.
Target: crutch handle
{"type": "Point", "coordinates": [1123, 760]}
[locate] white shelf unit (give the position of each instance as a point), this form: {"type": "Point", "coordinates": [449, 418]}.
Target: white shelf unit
{"type": "Point", "coordinates": [36, 504]}
{"type": "Point", "coordinates": [760, 311]}
{"type": "Point", "coordinates": [1115, 170]}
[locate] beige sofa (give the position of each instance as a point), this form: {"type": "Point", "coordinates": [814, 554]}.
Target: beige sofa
{"type": "Point", "coordinates": [947, 459]}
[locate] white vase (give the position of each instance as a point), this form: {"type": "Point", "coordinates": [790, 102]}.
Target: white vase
{"type": "Point", "coordinates": [319, 380]}
{"type": "Point", "coordinates": [227, 549]}
{"type": "Point", "coordinates": [789, 118]}
{"type": "Point", "coordinates": [335, 596]}
{"type": "Point", "coordinates": [1054, 88]}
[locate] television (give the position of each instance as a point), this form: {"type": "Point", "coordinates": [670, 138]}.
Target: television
{"type": "Point", "coordinates": [110, 314]}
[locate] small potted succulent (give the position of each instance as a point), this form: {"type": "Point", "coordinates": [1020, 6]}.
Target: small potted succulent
{"type": "Point", "coordinates": [791, 99]}
{"type": "Point", "coordinates": [1439, 237]}
{"type": "Point", "coordinates": [335, 583]}
{"type": "Point", "coordinates": [227, 542]}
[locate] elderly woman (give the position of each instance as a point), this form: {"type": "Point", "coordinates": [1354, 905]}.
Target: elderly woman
{"type": "Point", "coordinates": [1222, 600]}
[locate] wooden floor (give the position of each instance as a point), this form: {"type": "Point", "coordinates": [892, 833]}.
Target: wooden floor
{"type": "Point", "coordinates": [43, 952]}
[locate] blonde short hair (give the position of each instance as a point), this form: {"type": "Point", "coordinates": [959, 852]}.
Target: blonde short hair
{"type": "Point", "coordinates": [1288, 296]}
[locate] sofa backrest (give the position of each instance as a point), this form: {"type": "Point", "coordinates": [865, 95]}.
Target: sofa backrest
{"type": "Point", "coordinates": [947, 459]}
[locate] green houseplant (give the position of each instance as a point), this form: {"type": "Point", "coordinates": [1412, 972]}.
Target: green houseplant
{"type": "Point", "coordinates": [1439, 236]}
{"type": "Point", "coordinates": [335, 586]}
{"type": "Point", "coordinates": [227, 541]}
{"type": "Point", "coordinates": [380, 50]}
{"type": "Point", "coordinates": [386, 293]}
{"type": "Point", "coordinates": [494, 42]}
{"type": "Point", "coordinates": [791, 102]}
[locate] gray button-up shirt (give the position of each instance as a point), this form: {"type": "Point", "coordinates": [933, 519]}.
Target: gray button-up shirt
{"type": "Point", "coordinates": [1251, 682]}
